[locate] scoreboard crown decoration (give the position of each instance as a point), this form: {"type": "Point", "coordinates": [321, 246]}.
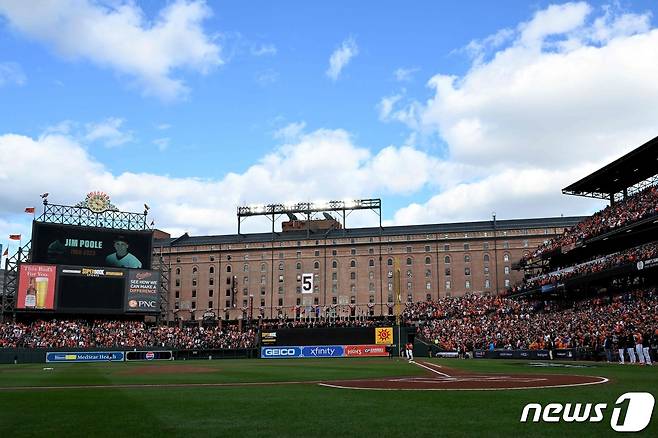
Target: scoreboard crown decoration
{"type": "Point", "coordinates": [98, 202]}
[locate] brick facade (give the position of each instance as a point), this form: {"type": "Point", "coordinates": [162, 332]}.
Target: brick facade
{"type": "Point", "coordinates": [352, 269]}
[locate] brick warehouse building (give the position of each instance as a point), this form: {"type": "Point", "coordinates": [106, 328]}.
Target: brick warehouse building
{"type": "Point", "coordinates": [232, 275]}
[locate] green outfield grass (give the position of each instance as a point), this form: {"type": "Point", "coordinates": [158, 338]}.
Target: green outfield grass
{"type": "Point", "coordinates": [292, 409]}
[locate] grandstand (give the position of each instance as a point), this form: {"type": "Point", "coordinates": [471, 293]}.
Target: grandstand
{"type": "Point", "coordinates": [613, 248]}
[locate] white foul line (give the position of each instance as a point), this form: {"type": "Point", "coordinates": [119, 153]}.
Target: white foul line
{"type": "Point", "coordinates": [431, 369]}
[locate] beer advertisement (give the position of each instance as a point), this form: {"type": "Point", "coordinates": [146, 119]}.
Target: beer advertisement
{"type": "Point", "coordinates": [36, 287]}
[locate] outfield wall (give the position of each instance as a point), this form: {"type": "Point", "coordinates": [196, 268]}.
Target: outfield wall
{"type": "Point", "coordinates": [39, 355]}
{"type": "Point", "coordinates": [559, 354]}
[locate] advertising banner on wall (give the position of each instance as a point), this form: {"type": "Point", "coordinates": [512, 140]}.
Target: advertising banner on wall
{"type": "Point", "coordinates": [149, 355]}
{"type": "Point", "coordinates": [280, 352]}
{"type": "Point", "coordinates": [36, 287]}
{"type": "Point", "coordinates": [85, 356]}
{"type": "Point", "coordinates": [142, 291]}
{"type": "Point", "coordinates": [323, 351]}
{"type": "Point", "coordinates": [365, 351]}
{"type": "Point", "coordinates": [645, 264]}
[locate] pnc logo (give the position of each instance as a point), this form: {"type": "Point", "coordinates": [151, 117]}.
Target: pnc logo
{"type": "Point", "coordinates": [132, 304]}
{"type": "Point", "coordinates": [637, 412]}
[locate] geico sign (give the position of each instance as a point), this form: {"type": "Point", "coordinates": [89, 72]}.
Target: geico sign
{"type": "Point", "coordinates": [638, 412]}
{"type": "Point", "coordinates": [280, 352]}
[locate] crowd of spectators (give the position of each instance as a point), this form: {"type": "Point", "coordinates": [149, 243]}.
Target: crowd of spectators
{"type": "Point", "coordinates": [469, 305]}
{"type": "Point", "coordinates": [632, 209]}
{"type": "Point", "coordinates": [451, 323]}
{"type": "Point", "coordinates": [324, 323]}
{"type": "Point", "coordinates": [599, 264]}
{"type": "Point", "coordinates": [124, 334]}
{"type": "Point", "coordinates": [536, 325]}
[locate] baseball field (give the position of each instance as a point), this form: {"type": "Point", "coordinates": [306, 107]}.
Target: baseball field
{"type": "Point", "coordinates": [308, 397]}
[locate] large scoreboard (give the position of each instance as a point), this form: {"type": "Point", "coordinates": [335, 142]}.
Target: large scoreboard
{"type": "Point", "coordinates": [77, 269]}
{"type": "Point", "coordinates": [89, 246]}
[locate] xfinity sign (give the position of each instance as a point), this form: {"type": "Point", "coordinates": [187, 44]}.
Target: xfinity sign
{"type": "Point", "coordinates": [634, 418]}
{"type": "Point", "coordinates": [323, 351]}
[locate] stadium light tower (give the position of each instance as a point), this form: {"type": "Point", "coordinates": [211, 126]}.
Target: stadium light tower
{"type": "Point", "coordinates": [308, 209]}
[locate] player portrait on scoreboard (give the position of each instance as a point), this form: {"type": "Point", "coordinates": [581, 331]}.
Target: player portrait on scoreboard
{"type": "Point", "coordinates": [121, 258]}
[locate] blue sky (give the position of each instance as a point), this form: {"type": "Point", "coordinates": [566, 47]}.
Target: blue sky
{"type": "Point", "coordinates": [197, 107]}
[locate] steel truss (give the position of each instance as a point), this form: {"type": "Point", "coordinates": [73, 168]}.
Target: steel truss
{"type": "Point", "coordinates": [274, 211]}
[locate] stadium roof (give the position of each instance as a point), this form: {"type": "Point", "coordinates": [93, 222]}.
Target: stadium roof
{"type": "Point", "coordinates": [638, 166]}
{"type": "Point", "coordinates": [501, 225]}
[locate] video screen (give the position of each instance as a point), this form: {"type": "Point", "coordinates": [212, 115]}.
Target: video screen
{"type": "Point", "coordinates": [91, 290]}
{"type": "Point", "coordinates": [88, 246]}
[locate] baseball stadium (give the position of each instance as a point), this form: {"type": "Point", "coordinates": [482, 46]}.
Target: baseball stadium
{"type": "Point", "coordinates": [527, 327]}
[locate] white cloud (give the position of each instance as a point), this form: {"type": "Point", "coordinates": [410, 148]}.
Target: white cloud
{"type": "Point", "coordinates": [554, 20]}
{"type": "Point", "coordinates": [264, 50]}
{"type": "Point", "coordinates": [386, 106]}
{"type": "Point", "coordinates": [540, 107]}
{"type": "Point", "coordinates": [290, 132]}
{"type": "Point", "coordinates": [525, 193]}
{"type": "Point", "coordinates": [405, 74]}
{"type": "Point", "coordinates": [11, 73]}
{"type": "Point", "coordinates": [324, 164]}
{"type": "Point", "coordinates": [118, 36]}
{"type": "Point", "coordinates": [341, 57]}
{"type": "Point", "coordinates": [108, 132]}
{"type": "Point", "coordinates": [613, 24]}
